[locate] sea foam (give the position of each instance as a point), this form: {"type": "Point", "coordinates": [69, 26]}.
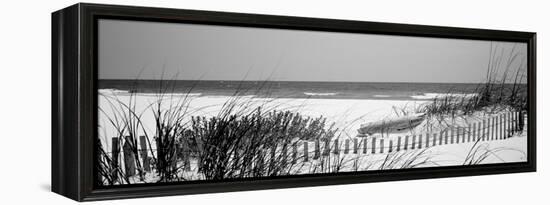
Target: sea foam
{"type": "Point", "coordinates": [432, 96]}
{"type": "Point", "coordinates": [320, 94]}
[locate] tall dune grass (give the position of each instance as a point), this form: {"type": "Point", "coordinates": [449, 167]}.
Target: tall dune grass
{"type": "Point", "coordinates": [237, 142]}
{"type": "Point", "coordinates": [250, 144]}
{"type": "Point", "coordinates": [479, 153]}
{"type": "Point", "coordinates": [126, 120]}
{"type": "Point", "coordinates": [505, 91]}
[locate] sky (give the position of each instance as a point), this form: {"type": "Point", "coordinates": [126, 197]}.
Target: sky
{"type": "Point", "coordinates": [155, 50]}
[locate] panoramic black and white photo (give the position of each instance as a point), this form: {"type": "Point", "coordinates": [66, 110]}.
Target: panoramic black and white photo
{"type": "Point", "coordinates": [185, 102]}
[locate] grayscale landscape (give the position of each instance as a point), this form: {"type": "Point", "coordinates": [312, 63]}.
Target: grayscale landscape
{"type": "Point", "coordinates": [184, 102]}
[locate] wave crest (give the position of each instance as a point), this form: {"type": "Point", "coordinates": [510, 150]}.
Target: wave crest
{"type": "Point", "coordinates": [320, 94]}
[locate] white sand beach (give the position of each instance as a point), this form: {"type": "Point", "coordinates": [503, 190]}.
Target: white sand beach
{"type": "Point", "coordinates": [347, 114]}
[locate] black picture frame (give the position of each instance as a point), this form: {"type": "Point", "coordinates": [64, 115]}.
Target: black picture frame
{"type": "Point", "coordinates": [74, 99]}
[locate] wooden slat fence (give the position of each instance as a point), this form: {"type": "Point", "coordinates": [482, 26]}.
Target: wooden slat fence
{"type": "Point", "coordinates": [498, 127]}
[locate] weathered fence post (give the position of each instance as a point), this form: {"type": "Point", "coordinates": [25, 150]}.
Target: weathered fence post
{"type": "Point", "coordinates": [518, 121]}
{"type": "Point", "coordinates": [326, 152]}
{"type": "Point", "coordinates": [316, 151]}
{"type": "Point", "coordinates": [346, 148]}
{"type": "Point", "coordinates": [510, 132]}
{"type": "Point", "coordinates": [355, 146]}
{"type": "Point", "coordinates": [398, 148]}
{"type": "Point", "coordinates": [489, 127]}
{"type": "Point", "coordinates": [504, 124]}
{"type": "Point", "coordinates": [457, 136]}
{"type": "Point", "coordinates": [129, 160]}
{"type": "Point", "coordinates": [336, 147]}
{"type": "Point", "coordinates": [462, 134]}
{"type": "Point", "coordinates": [201, 154]}
{"type": "Point", "coordinates": [512, 120]}
{"type": "Point", "coordinates": [465, 134]}
{"type": "Point", "coordinates": [521, 120]}
{"type": "Point", "coordinates": [501, 126]}
{"type": "Point", "coordinates": [452, 134]}
{"type": "Point", "coordinates": [509, 116]}
{"type": "Point", "coordinates": [506, 127]}
{"type": "Point", "coordinates": [187, 157]}
{"type": "Point", "coordinates": [373, 151]}
{"type": "Point", "coordinates": [497, 127]}
{"type": "Point", "coordinates": [474, 133]}
{"type": "Point", "coordinates": [294, 153]}
{"type": "Point", "coordinates": [390, 148]}
{"type": "Point", "coordinates": [441, 137]}
{"type": "Point", "coordinates": [492, 119]}
{"type": "Point", "coordinates": [485, 130]}
{"type": "Point", "coordinates": [115, 150]}
{"type": "Point", "coordinates": [517, 113]}
{"type": "Point", "coordinates": [160, 162]}
{"type": "Point", "coordinates": [413, 142]}
{"type": "Point", "coordinates": [454, 138]}
{"type": "Point", "coordinates": [515, 121]}
{"type": "Point", "coordinates": [511, 123]}
{"type": "Point", "coordinates": [381, 145]}
{"type": "Point", "coordinates": [174, 160]}
{"type": "Point", "coordinates": [479, 130]}
{"type": "Point", "coordinates": [469, 132]}
{"type": "Point", "coordinates": [143, 153]}
{"type": "Point", "coordinates": [364, 145]}
{"type": "Point", "coordinates": [180, 152]}
{"type": "Point", "coordinates": [406, 144]}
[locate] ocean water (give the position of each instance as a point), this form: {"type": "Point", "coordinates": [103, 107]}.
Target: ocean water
{"type": "Point", "coordinates": [287, 89]}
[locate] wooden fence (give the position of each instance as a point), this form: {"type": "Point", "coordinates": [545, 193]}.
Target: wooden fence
{"type": "Point", "coordinates": [491, 128]}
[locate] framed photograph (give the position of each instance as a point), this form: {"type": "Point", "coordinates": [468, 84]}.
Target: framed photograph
{"type": "Point", "coordinates": [155, 101]}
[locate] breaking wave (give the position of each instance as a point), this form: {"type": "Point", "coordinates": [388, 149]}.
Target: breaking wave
{"type": "Point", "coordinates": [320, 94]}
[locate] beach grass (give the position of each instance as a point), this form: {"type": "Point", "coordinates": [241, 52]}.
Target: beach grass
{"type": "Point", "coordinates": [500, 91]}
{"type": "Point", "coordinates": [480, 152]}
{"type": "Point", "coordinates": [250, 144]}
{"type": "Point", "coordinates": [234, 143]}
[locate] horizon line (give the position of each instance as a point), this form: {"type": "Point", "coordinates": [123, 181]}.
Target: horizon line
{"type": "Point", "coordinates": [314, 81]}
